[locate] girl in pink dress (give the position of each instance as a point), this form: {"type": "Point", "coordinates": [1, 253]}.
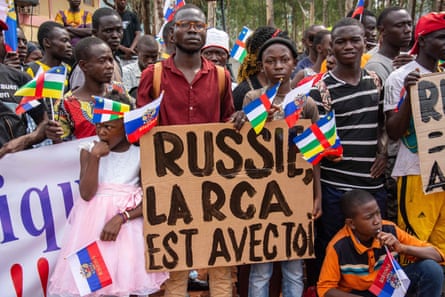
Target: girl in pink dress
{"type": "Point", "coordinates": [110, 212]}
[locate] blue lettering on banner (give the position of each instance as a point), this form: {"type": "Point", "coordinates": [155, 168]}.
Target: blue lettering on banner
{"type": "Point", "coordinates": [27, 213]}
{"type": "Point", "coordinates": [5, 217]}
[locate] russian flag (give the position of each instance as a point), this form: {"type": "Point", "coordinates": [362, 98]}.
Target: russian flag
{"type": "Point", "coordinates": [359, 9]}
{"type": "Point", "coordinates": [170, 7]}
{"type": "Point", "coordinates": [139, 121]}
{"type": "Point", "coordinates": [179, 4]}
{"type": "Point", "coordinates": [89, 269]}
{"type": "Point", "coordinates": [294, 100]}
{"type": "Point", "coordinates": [26, 104]}
{"type": "Point", "coordinates": [391, 281]}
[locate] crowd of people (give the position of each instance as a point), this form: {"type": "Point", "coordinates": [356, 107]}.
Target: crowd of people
{"type": "Point", "coordinates": [368, 200]}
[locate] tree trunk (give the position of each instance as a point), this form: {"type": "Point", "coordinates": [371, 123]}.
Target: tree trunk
{"type": "Point", "coordinates": [158, 15]}
{"type": "Point", "coordinates": [325, 11]}
{"type": "Point", "coordinates": [312, 12]}
{"type": "Point", "coordinates": [285, 15]}
{"type": "Point", "coordinates": [349, 4]}
{"type": "Point", "coordinates": [228, 27]}
{"type": "Point", "coordinates": [147, 21]}
{"type": "Point", "coordinates": [269, 13]}
{"type": "Point", "coordinates": [413, 8]}
{"type": "Point", "coordinates": [369, 4]}
{"type": "Point", "coordinates": [211, 13]}
{"type": "Point", "coordinates": [341, 8]}
{"type": "Point", "coordinates": [422, 3]}
{"type": "Point", "coordinates": [304, 16]}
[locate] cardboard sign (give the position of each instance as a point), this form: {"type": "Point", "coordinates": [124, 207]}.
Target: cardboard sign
{"type": "Point", "coordinates": [217, 197]}
{"type": "Point", "coordinates": [428, 108]}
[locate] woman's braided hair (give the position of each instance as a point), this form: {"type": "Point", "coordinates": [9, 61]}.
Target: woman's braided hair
{"type": "Point", "coordinates": [249, 66]}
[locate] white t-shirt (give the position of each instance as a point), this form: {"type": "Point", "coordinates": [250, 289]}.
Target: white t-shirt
{"type": "Point", "coordinates": [407, 163]}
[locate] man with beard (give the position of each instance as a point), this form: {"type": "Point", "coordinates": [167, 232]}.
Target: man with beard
{"type": "Point", "coordinates": [192, 95]}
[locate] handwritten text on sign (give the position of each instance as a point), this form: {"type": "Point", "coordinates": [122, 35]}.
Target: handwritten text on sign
{"type": "Point", "coordinates": [428, 106]}
{"type": "Point", "coordinates": [217, 197]}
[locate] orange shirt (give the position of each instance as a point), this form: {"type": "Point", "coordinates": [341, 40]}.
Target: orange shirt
{"type": "Point", "coordinates": [349, 265]}
{"type": "Point", "coordinates": [78, 19]}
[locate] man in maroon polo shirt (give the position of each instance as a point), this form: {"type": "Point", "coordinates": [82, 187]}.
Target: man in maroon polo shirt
{"type": "Point", "coordinates": [190, 82]}
{"type": "Point", "coordinates": [191, 96]}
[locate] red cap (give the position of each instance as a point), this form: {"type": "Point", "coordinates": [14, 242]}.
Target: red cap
{"type": "Point", "coordinates": [427, 24]}
{"type": "Point", "coordinates": [3, 25]}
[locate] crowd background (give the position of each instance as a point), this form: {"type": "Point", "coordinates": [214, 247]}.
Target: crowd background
{"type": "Point", "coordinates": [118, 58]}
{"type": "Point", "coordinates": [292, 16]}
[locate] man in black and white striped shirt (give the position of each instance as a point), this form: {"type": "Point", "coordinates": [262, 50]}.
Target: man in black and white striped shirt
{"type": "Point", "coordinates": [353, 93]}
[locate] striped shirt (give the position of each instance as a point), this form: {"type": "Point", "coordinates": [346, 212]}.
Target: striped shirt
{"type": "Point", "coordinates": [350, 265]}
{"type": "Point", "coordinates": [357, 117]}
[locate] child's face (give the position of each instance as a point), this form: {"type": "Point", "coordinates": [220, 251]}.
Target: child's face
{"type": "Point", "coordinates": [277, 62]}
{"type": "Point", "coordinates": [113, 133]}
{"type": "Point", "coordinates": [367, 222]}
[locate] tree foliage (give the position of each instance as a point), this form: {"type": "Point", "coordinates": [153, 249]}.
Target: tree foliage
{"type": "Point", "coordinates": [292, 16]}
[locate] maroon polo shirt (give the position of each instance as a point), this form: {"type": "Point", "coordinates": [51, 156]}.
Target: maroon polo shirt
{"type": "Point", "coordinates": [184, 103]}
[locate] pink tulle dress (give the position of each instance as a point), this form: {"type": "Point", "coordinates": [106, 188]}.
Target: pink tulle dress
{"type": "Point", "coordinates": [118, 190]}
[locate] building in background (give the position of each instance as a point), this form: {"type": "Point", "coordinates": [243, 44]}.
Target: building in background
{"type": "Point", "coordinates": [32, 13]}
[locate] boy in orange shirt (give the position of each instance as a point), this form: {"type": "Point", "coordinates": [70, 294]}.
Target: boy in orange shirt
{"type": "Point", "coordinates": [356, 253]}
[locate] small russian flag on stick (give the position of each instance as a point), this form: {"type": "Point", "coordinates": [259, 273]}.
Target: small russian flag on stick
{"type": "Point", "coordinates": [89, 269]}
{"type": "Point", "coordinates": [140, 121]}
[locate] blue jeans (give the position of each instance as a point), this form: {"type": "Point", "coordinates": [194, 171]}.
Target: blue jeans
{"type": "Point", "coordinates": [426, 278]}
{"type": "Point", "coordinates": [292, 283]}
